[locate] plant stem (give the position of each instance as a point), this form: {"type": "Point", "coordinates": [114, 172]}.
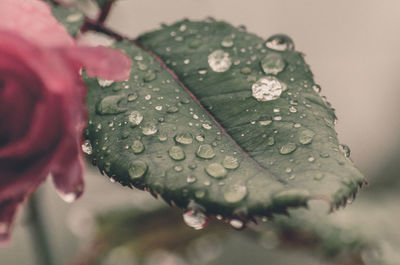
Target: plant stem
{"type": "Point", "coordinates": [40, 241]}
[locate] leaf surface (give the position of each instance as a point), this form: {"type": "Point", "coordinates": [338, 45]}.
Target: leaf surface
{"type": "Point", "coordinates": [215, 115]}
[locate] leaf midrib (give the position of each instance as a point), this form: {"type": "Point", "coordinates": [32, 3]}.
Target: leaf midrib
{"type": "Point", "coordinates": [195, 99]}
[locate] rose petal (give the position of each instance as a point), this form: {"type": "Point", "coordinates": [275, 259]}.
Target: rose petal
{"type": "Point", "coordinates": [8, 209]}
{"type": "Point", "coordinates": [100, 61]}
{"type": "Point", "coordinates": [33, 20]}
{"type": "Point", "coordinates": [68, 171]}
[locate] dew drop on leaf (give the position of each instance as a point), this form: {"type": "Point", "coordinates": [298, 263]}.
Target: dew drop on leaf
{"type": "Point", "coordinates": [230, 162]}
{"type": "Point", "coordinates": [219, 61]}
{"type": "Point", "coordinates": [195, 217]}
{"type": "Point", "coordinates": [216, 170]}
{"type": "Point", "coordinates": [191, 179]}
{"type": "Point", "coordinates": [205, 151]}
{"type": "Point", "coordinates": [104, 83]}
{"type": "Point", "coordinates": [273, 63]}
{"type": "Point", "coordinates": [280, 42]}
{"type": "Point", "coordinates": [236, 223]}
{"type": "Point", "coordinates": [137, 170]}
{"type": "Point", "coordinates": [110, 105]}
{"type": "Point", "coordinates": [316, 88]}
{"type": "Point", "coordinates": [267, 88]}
{"type": "Point", "coordinates": [87, 147]}
{"type": "Point", "coordinates": [176, 153]}
{"type": "Point", "coordinates": [132, 97]}
{"type": "Point", "coordinates": [288, 148]}
{"type": "Point", "coordinates": [184, 138]}
{"type": "Point", "coordinates": [270, 141]}
{"type": "Point", "coordinates": [149, 128]}
{"type": "Point", "coordinates": [245, 70]}
{"type": "Point", "coordinates": [135, 118]}
{"type": "Point", "coordinates": [306, 136]}
{"type": "Point", "coordinates": [235, 193]}
{"type": "Point", "coordinates": [137, 147]}
{"type": "Point", "coordinates": [344, 149]}
{"type": "Point", "coordinates": [227, 42]}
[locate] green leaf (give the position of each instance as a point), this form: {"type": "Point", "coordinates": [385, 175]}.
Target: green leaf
{"type": "Point", "coordinates": [71, 18]}
{"type": "Point", "coordinates": [232, 123]}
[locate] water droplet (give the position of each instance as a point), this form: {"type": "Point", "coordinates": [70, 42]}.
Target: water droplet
{"type": "Point", "coordinates": [184, 138]}
{"type": "Point", "coordinates": [158, 108]}
{"type": "Point", "coordinates": [132, 97]}
{"type": "Point", "coordinates": [205, 151]}
{"type": "Point", "coordinates": [216, 170]}
{"type": "Point", "coordinates": [172, 109]}
{"type": "Point", "coordinates": [194, 44]}
{"type": "Point", "coordinates": [87, 147]}
{"type": "Point", "coordinates": [235, 193]}
{"type": "Point", "coordinates": [230, 162]}
{"type": "Point", "coordinates": [202, 71]}
{"type": "Point", "coordinates": [199, 194]}
{"type": "Point", "coordinates": [311, 159]}
{"type": "Point", "coordinates": [195, 217]}
{"type": "Point", "coordinates": [318, 176]}
{"type": "Point", "coordinates": [288, 148]}
{"type": "Point", "coordinates": [236, 223]}
{"type": "Point", "coordinates": [104, 83]}
{"type": "Point", "coordinates": [70, 197]}
{"type": "Point", "coordinates": [270, 141]}
{"type": "Point", "coordinates": [135, 118]}
{"type": "Point", "coordinates": [306, 136]}
{"type": "Point", "coordinates": [273, 63]}
{"type": "Point", "coordinates": [137, 170]}
{"type": "Point", "coordinates": [268, 88]}
{"type": "Point", "coordinates": [206, 126]}
{"type": "Point", "coordinates": [186, 61]}
{"type": "Point", "coordinates": [74, 17]}
{"type": "Point", "coordinates": [176, 153]}
{"type": "Point", "coordinates": [292, 109]}
{"type": "Point", "coordinates": [245, 70]}
{"type": "Point", "coordinates": [110, 105]}
{"type": "Point", "coordinates": [345, 150]}
{"type": "Point", "coordinates": [149, 76]}
{"type": "Point", "coordinates": [149, 128]}
{"type": "Point", "coordinates": [317, 88]}
{"type": "Point", "coordinates": [182, 28]}
{"type": "Point", "coordinates": [162, 137]}
{"type": "Point", "coordinates": [219, 61]}
{"type": "Point", "coordinates": [191, 179]}
{"type": "Point", "coordinates": [178, 168]}
{"type": "Point", "coordinates": [137, 147]}
{"type": "Point", "coordinates": [142, 66]}
{"type": "Point", "coordinates": [200, 138]}
{"type": "Point", "coordinates": [324, 155]}
{"type": "Point", "coordinates": [227, 42]}
{"type": "Point", "coordinates": [280, 42]}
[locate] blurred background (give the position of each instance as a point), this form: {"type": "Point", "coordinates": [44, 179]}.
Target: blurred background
{"type": "Point", "coordinates": [352, 49]}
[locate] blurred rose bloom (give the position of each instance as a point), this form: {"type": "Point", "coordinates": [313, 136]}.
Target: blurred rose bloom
{"type": "Point", "coordinates": [42, 108]}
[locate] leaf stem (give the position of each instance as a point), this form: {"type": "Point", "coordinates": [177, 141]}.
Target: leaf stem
{"type": "Point", "coordinates": [40, 240]}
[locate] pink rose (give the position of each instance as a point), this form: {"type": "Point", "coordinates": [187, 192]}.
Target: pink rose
{"type": "Point", "coordinates": [42, 108]}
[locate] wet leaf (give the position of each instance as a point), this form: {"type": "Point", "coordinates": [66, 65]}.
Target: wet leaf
{"type": "Point", "coordinates": [222, 127]}
{"type": "Point", "coordinates": [71, 17]}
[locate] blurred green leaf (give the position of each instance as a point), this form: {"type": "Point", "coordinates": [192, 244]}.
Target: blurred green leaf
{"type": "Point", "coordinates": [71, 17]}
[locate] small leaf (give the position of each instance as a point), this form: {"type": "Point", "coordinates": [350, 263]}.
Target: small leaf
{"type": "Point", "coordinates": [221, 126]}
{"type": "Point", "coordinates": [71, 18]}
